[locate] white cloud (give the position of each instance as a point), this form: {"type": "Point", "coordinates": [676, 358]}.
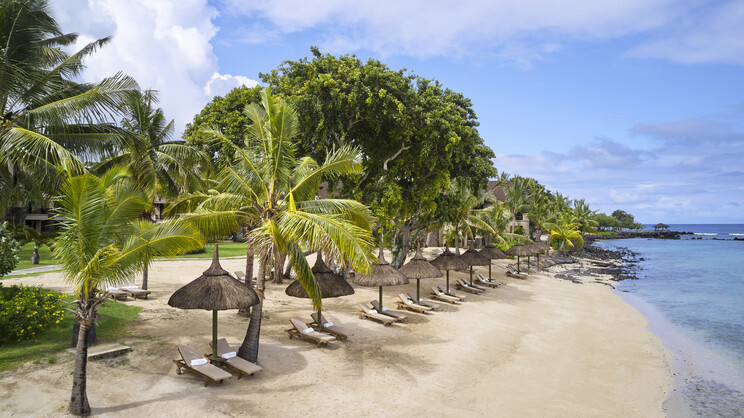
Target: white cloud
{"type": "Point", "coordinates": [517, 31]}
{"type": "Point", "coordinates": [219, 84]}
{"type": "Point", "coordinates": [164, 44]}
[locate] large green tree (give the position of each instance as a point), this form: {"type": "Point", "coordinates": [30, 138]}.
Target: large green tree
{"type": "Point", "coordinates": [414, 134]}
{"type": "Point", "coordinates": [100, 246]}
{"type": "Point", "coordinates": [272, 190]}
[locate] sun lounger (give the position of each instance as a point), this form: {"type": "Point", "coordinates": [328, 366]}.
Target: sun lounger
{"type": "Point", "coordinates": [135, 291]}
{"type": "Point", "coordinates": [367, 311]}
{"type": "Point", "coordinates": [407, 303]}
{"type": "Point", "coordinates": [513, 273]}
{"type": "Point", "coordinates": [195, 363]}
{"type": "Point", "coordinates": [301, 329]}
{"type": "Point", "coordinates": [437, 294]}
{"type": "Point", "coordinates": [116, 294]}
{"type": "Point", "coordinates": [227, 357]}
{"type": "Point", "coordinates": [452, 293]}
{"type": "Point", "coordinates": [428, 304]}
{"type": "Point", "coordinates": [488, 282]}
{"type": "Point", "coordinates": [240, 276]}
{"type": "Point", "coordinates": [321, 324]}
{"type": "Point", "coordinates": [462, 285]}
{"type": "Point", "coordinates": [475, 285]}
{"type": "Point", "coordinates": [400, 316]}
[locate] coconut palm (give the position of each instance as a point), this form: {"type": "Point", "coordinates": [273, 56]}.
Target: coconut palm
{"type": "Point", "coordinates": [565, 233]}
{"type": "Point", "coordinates": [515, 190]}
{"type": "Point", "coordinates": [497, 219]}
{"type": "Point", "coordinates": [159, 166]}
{"type": "Point", "coordinates": [46, 118]}
{"type": "Point", "coordinates": [273, 192]}
{"type": "Point", "coordinates": [98, 247]}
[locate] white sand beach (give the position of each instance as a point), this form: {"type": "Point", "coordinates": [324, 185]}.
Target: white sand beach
{"type": "Point", "coordinates": [535, 347]}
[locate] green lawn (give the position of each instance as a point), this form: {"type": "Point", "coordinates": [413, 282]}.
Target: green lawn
{"type": "Point", "coordinates": [227, 249]}
{"type": "Point", "coordinates": [24, 257]}
{"type": "Point", "coordinates": [111, 325]}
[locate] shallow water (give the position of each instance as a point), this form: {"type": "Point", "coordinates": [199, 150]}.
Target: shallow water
{"type": "Point", "coordinates": [692, 294]}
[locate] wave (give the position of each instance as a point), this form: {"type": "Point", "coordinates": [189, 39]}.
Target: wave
{"type": "Point", "coordinates": [704, 233]}
{"type": "Point", "coordinates": [736, 234]}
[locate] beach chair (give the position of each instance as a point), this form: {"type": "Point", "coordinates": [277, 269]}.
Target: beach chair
{"type": "Point", "coordinates": [240, 276]}
{"type": "Point", "coordinates": [195, 363]}
{"type": "Point", "coordinates": [462, 285]}
{"type": "Point", "coordinates": [135, 291]}
{"type": "Point", "coordinates": [367, 311]}
{"type": "Point", "coordinates": [475, 285]}
{"type": "Point", "coordinates": [408, 303]}
{"type": "Point", "coordinates": [486, 282]}
{"type": "Point", "coordinates": [428, 304]}
{"type": "Point", "coordinates": [400, 316]}
{"type": "Point", "coordinates": [321, 324]}
{"type": "Point", "coordinates": [437, 294]}
{"type": "Point", "coordinates": [302, 330]}
{"type": "Point", "coordinates": [513, 273]}
{"type": "Point", "coordinates": [116, 294]}
{"type": "Point", "coordinates": [227, 358]}
{"type": "Point", "coordinates": [452, 293]}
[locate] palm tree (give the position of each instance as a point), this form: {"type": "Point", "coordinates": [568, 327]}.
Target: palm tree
{"type": "Point", "coordinates": [565, 232]}
{"type": "Point", "coordinates": [159, 166]}
{"type": "Point", "coordinates": [98, 247]}
{"type": "Point", "coordinates": [497, 219]}
{"type": "Point", "coordinates": [515, 190]}
{"type": "Point", "coordinates": [273, 192]}
{"type": "Point", "coordinates": [46, 118]}
{"type": "Point", "coordinates": [584, 217]}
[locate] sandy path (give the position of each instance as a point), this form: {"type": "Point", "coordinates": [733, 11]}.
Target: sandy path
{"type": "Point", "coordinates": [535, 347]}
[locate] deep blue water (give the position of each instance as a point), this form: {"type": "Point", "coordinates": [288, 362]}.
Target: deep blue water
{"type": "Point", "coordinates": [708, 231]}
{"type": "Point", "coordinates": [692, 295]}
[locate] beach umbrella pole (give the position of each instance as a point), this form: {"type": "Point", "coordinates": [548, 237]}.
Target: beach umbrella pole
{"type": "Point", "coordinates": [381, 298]}
{"type": "Point", "coordinates": [447, 280]}
{"type": "Point", "coordinates": [418, 290]}
{"type": "Point", "coordinates": [489, 270]}
{"type": "Point", "coordinates": [471, 275]}
{"type": "Point", "coordinates": [518, 265]}
{"type": "Point", "coordinates": [214, 333]}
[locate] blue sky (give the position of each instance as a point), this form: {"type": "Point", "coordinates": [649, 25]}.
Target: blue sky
{"type": "Point", "coordinates": [635, 105]}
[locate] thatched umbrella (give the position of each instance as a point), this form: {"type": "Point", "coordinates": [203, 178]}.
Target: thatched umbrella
{"type": "Point", "coordinates": [331, 285]}
{"type": "Point", "coordinates": [518, 251]}
{"type": "Point", "coordinates": [492, 253]}
{"type": "Point", "coordinates": [215, 290]}
{"type": "Point", "coordinates": [540, 247]}
{"type": "Point", "coordinates": [471, 257]}
{"type": "Point", "coordinates": [418, 268]}
{"type": "Point", "coordinates": [448, 261]}
{"type": "Point", "coordinates": [381, 274]}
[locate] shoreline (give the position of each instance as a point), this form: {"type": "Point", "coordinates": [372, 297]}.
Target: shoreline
{"type": "Point", "coordinates": [538, 347]}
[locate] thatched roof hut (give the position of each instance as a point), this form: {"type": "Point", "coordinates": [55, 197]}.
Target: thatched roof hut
{"type": "Point", "coordinates": [661, 227]}
{"type": "Point", "coordinates": [331, 285]}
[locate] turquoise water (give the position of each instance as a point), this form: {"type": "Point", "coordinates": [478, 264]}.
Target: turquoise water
{"type": "Point", "coordinates": [692, 294]}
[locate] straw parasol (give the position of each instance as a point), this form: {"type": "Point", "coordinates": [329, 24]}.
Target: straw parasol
{"type": "Point", "coordinates": [448, 261]}
{"type": "Point", "coordinates": [418, 268]}
{"type": "Point", "coordinates": [518, 251]}
{"type": "Point", "coordinates": [471, 257]}
{"type": "Point", "coordinates": [381, 274]}
{"type": "Point", "coordinates": [331, 285]}
{"type": "Point", "coordinates": [492, 253]}
{"type": "Point", "coordinates": [215, 290]}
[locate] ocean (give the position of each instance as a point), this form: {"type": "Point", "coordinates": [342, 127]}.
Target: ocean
{"type": "Point", "coordinates": [691, 292]}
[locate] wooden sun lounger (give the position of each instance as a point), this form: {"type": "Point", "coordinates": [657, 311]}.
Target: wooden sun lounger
{"type": "Point", "coordinates": [475, 285]}
{"type": "Point", "coordinates": [208, 372]}
{"type": "Point", "coordinates": [321, 324]}
{"type": "Point", "coordinates": [431, 305]}
{"type": "Point", "coordinates": [136, 292]}
{"type": "Point", "coordinates": [117, 294]}
{"type": "Point", "coordinates": [460, 284]}
{"type": "Point", "coordinates": [488, 282]}
{"type": "Point", "coordinates": [240, 276]}
{"type": "Point", "coordinates": [407, 303]}
{"type": "Point", "coordinates": [370, 313]}
{"type": "Point", "coordinates": [513, 273]}
{"type": "Point", "coordinates": [452, 293]}
{"type": "Point", "coordinates": [240, 366]}
{"type": "Point", "coordinates": [400, 316]}
{"type": "Point", "coordinates": [301, 329]}
{"type": "Point", "coordinates": [437, 294]}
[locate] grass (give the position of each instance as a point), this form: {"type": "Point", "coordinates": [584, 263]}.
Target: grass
{"type": "Point", "coordinates": [24, 257]}
{"type": "Point", "coordinates": [111, 325]}
{"type": "Point", "coordinates": [20, 276]}
{"type": "Point", "coordinates": [227, 249]}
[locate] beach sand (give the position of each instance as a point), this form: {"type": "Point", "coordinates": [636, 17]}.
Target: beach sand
{"type": "Point", "coordinates": [536, 347]}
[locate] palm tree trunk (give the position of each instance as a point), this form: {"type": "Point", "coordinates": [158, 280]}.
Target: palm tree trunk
{"type": "Point", "coordinates": [457, 238]}
{"type": "Point", "coordinates": [278, 266]}
{"type": "Point", "coordinates": [79, 398]}
{"type": "Point", "coordinates": [405, 247]}
{"type": "Point", "coordinates": [249, 264]}
{"type": "Point", "coordinates": [144, 276]}
{"type": "Point", "coordinates": [249, 349]}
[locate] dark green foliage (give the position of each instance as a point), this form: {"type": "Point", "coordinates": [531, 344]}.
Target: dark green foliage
{"type": "Point", "coordinates": [9, 249]}
{"type": "Point", "coordinates": [627, 221]}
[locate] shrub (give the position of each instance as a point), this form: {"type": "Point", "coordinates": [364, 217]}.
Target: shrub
{"type": "Point", "coordinates": [9, 249]}
{"type": "Point", "coordinates": [27, 311]}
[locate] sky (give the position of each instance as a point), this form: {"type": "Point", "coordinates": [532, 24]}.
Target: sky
{"type": "Point", "coordinates": [630, 104]}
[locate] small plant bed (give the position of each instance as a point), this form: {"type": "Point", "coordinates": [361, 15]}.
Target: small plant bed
{"type": "Point", "coordinates": [44, 346]}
